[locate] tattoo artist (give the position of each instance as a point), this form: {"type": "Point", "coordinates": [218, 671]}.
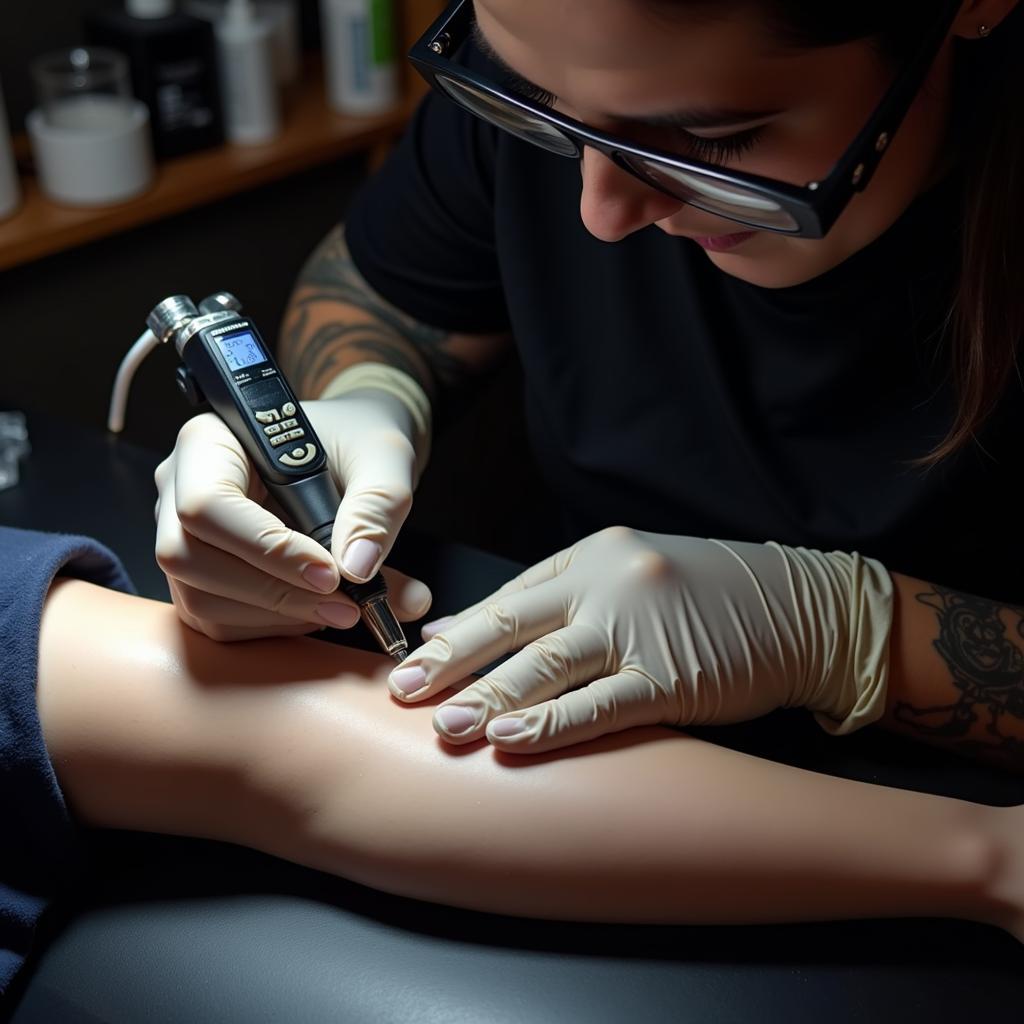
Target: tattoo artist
{"type": "Point", "coordinates": [761, 263]}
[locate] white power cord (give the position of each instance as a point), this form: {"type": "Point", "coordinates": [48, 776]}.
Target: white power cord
{"type": "Point", "coordinates": [123, 381]}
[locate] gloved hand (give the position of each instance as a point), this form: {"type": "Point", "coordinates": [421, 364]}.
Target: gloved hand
{"type": "Point", "coordinates": [235, 570]}
{"type": "Point", "coordinates": [628, 628]}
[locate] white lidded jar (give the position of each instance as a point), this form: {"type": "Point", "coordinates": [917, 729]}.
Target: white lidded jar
{"type": "Point", "coordinates": [10, 191]}
{"type": "Point", "coordinates": [359, 55]}
{"type": "Point", "coordinates": [248, 75]}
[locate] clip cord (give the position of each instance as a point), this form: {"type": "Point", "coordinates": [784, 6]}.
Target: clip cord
{"type": "Point", "coordinates": [123, 381]}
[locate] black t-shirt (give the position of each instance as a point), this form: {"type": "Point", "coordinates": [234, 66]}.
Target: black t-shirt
{"type": "Point", "coordinates": [664, 394]}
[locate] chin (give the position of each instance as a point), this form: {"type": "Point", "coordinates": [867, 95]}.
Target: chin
{"type": "Point", "coordinates": [778, 262]}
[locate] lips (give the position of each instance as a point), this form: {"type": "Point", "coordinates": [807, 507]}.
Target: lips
{"type": "Point", "coordinates": [722, 243]}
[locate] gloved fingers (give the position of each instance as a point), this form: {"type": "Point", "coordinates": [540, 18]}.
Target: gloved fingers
{"type": "Point", "coordinates": [163, 476]}
{"type": "Point", "coordinates": [211, 614]}
{"type": "Point", "coordinates": [192, 562]}
{"type": "Point", "coordinates": [212, 482]}
{"type": "Point", "coordinates": [431, 629]}
{"type": "Point", "coordinates": [609, 704]}
{"type": "Point", "coordinates": [544, 669]}
{"type": "Point", "coordinates": [497, 628]}
{"type": "Point", "coordinates": [409, 598]}
{"type": "Point", "coordinates": [207, 607]}
{"type": "Point", "coordinates": [377, 485]}
{"type": "Point", "coordinates": [232, 624]}
{"type": "Point", "coordinates": [540, 572]}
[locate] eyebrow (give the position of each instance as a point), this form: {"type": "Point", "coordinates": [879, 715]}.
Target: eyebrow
{"type": "Point", "coordinates": [696, 117]}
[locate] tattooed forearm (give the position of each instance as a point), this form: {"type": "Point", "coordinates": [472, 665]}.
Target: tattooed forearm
{"type": "Point", "coordinates": [981, 644]}
{"type": "Point", "coordinates": [327, 349]}
{"type": "Point", "coordinates": [334, 319]}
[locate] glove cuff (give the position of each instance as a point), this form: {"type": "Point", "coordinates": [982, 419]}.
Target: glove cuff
{"type": "Point", "coordinates": [845, 601]}
{"type": "Point", "coordinates": [398, 384]}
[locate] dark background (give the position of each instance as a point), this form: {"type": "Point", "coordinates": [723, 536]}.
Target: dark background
{"type": "Point", "coordinates": [67, 320]}
{"type": "Point", "coordinates": [32, 27]}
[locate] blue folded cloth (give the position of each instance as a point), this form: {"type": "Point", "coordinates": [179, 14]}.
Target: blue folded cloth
{"type": "Point", "coordinates": [40, 851]}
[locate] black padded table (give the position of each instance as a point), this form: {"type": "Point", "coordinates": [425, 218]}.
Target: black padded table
{"type": "Point", "coordinates": [169, 930]}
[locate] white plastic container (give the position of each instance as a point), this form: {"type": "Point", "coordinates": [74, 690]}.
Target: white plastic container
{"type": "Point", "coordinates": [10, 191]}
{"type": "Point", "coordinates": [359, 55]}
{"type": "Point", "coordinates": [248, 75]}
{"type": "Point", "coordinates": [93, 156]}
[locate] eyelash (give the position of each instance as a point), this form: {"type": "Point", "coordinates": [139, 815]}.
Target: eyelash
{"type": "Point", "coordinates": [728, 147]}
{"type": "Point", "coordinates": [713, 151]}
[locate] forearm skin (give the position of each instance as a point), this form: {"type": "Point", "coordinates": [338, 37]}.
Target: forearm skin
{"type": "Point", "coordinates": [294, 747]}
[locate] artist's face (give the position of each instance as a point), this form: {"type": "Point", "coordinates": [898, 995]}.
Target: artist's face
{"type": "Point", "coordinates": [608, 60]}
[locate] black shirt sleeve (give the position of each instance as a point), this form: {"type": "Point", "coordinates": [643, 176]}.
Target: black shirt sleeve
{"type": "Point", "coordinates": [421, 231]}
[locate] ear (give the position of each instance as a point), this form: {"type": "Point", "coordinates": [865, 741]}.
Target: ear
{"type": "Point", "coordinates": [979, 18]}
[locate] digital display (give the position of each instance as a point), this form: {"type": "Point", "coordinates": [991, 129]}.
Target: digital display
{"type": "Point", "coordinates": [241, 350]}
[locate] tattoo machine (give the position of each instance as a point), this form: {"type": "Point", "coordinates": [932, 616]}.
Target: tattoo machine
{"type": "Point", "coordinates": [225, 362]}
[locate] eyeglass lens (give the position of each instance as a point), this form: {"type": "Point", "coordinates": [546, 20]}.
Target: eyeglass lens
{"type": "Point", "coordinates": [703, 191]}
{"type": "Point", "coordinates": [512, 119]}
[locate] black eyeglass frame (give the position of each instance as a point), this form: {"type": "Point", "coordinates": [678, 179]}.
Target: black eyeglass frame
{"type": "Point", "coordinates": [814, 207]}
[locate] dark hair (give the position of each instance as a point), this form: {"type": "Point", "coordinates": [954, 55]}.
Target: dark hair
{"type": "Point", "coordinates": [985, 321]}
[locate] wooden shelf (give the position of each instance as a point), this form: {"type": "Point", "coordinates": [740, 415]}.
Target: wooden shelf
{"type": "Point", "coordinates": [313, 134]}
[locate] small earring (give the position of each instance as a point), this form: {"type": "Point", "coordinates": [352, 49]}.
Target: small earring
{"type": "Point", "coordinates": [983, 30]}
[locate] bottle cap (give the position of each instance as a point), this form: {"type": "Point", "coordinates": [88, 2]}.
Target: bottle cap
{"type": "Point", "coordinates": [150, 8]}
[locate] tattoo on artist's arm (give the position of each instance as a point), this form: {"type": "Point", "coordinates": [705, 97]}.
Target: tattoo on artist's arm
{"type": "Point", "coordinates": [981, 643]}
{"type": "Point", "coordinates": [335, 319]}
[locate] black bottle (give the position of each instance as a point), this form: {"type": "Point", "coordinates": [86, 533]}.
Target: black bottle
{"type": "Point", "coordinates": [173, 60]}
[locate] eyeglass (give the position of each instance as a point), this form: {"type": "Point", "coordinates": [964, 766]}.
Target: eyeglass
{"type": "Point", "coordinates": [807, 210]}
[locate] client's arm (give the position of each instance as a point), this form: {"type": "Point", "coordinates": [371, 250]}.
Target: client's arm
{"type": "Point", "coordinates": [294, 747]}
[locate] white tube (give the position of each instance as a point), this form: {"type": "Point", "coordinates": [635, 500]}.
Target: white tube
{"type": "Point", "coordinates": [123, 381]}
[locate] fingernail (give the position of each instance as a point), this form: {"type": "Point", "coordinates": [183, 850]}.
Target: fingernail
{"type": "Point", "coordinates": [416, 597]}
{"type": "Point", "coordinates": [455, 719]}
{"type": "Point", "coordinates": [360, 558]}
{"type": "Point", "coordinates": [343, 616]}
{"type": "Point", "coordinates": [506, 726]}
{"type": "Point", "coordinates": [323, 577]}
{"type": "Point", "coordinates": [409, 680]}
{"type": "Point", "coordinates": [429, 629]}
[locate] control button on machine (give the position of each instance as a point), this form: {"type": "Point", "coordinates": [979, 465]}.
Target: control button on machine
{"type": "Point", "coordinates": [288, 424]}
{"type": "Point", "coordinates": [267, 415]}
{"type": "Point", "coordinates": [289, 409]}
{"type": "Point", "coordinates": [274, 428]}
{"type": "Point", "coordinates": [280, 439]}
{"type": "Point", "coordinates": [298, 456]}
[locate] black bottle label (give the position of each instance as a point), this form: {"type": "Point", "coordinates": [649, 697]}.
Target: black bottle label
{"type": "Point", "coordinates": [181, 99]}
{"type": "Point", "coordinates": [174, 72]}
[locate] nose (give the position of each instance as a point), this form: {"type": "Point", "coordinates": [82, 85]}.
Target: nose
{"type": "Point", "coordinates": [614, 203]}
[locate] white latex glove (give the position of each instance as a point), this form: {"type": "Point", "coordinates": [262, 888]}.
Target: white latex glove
{"type": "Point", "coordinates": [235, 570]}
{"type": "Point", "coordinates": [628, 628]}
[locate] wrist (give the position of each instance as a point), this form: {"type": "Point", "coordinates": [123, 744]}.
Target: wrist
{"type": "Point", "coordinates": [843, 608]}
{"type": "Point", "coordinates": [402, 388]}
{"type": "Point", "coordinates": [1001, 875]}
